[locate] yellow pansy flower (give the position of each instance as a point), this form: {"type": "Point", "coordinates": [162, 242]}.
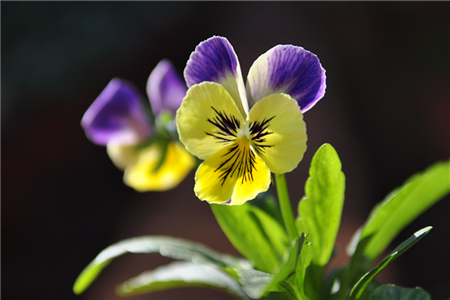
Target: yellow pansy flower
{"type": "Point", "coordinates": [240, 141]}
{"type": "Point", "coordinates": [149, 153]}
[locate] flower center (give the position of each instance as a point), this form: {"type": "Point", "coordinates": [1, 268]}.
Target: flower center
{"type": "Point", "coordinates": [243, 131]}
{"type": "Point", "coordinates": [230, 129]}
{"type": "Point", "coordinates": [258, 132]}
{"type": "Point", "coordinates": [245, 141]}
{"type": "Point", "coordinates": [239, 161]}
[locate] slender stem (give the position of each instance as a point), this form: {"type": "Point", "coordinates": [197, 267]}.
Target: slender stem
{"type": "Point", "coordinates": [291, 289]}
{"type": "Point", "coordinates": [285, 206]}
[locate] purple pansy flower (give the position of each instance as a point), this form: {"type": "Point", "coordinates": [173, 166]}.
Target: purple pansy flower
{"type": "Point", "coordinates": [117, 119]}
{"type": "Point", "coordinates": [117, 115]}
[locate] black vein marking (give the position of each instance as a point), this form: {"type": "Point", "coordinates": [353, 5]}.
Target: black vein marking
{"type": "Point", "coordinates": [258, 131]}
{"type": "Point", "coordinates": [227, 127]}
{"type": "Point", "coordinates": [239, 161]}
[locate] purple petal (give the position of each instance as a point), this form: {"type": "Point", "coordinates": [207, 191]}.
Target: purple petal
{"type": "Point", "coordinates": [215, 60]}
{"type": "Point", "coordinates": [116, 116]}
{"type": "Point", "coordinates": [165, 88]}
{"type": "Point", "coordinates": [212, 60]}
{"type": "Point", "coordinates": [288, 69]}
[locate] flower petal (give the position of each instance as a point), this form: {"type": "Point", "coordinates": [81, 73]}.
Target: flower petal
{"type": "Point", "coordinates": [287, 69]}
{"type": "Point", "coordinates": [116, 115]}
{"type": "Point", "coordinates": [165, 88]}
{"type": "Point", "coordinates": [215, 60]}
{"type": "Point", "coordinates": [234, 172]}
{"type": "Point", "coordinates": [208, 119]}
{"type": "Point", "coordinates": [278, 132]}
{"type": "Point", "coordinates": [176, 166]}
{"type": "Point", "coordinates": [122, 156]}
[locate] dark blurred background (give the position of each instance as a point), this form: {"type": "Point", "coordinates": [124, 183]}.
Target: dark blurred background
{"type": "Point", "coordinates": [386, 111]}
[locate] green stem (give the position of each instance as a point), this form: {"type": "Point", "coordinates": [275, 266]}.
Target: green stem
{"type": "Point", "coordinates": [291, 289]}
{"type": "Point", "coordinates": [285, 206]}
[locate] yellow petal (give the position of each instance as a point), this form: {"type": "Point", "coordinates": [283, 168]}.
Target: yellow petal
{"type": "Point", "coordinates": [208, 119]}
{"type": "Point", "coordinates": [235, 87]}
{"type": "Point", "coordinates": [122, 156]}
{"type": "Point", "coordinates": [176, 166]}
{"type": "Point", "coordinates": [234, 172]}
{"type": "Point", "coordinates": [278, 132]}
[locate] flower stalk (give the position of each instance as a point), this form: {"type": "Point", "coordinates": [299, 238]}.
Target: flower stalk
{"type": "Point", "coordinates": [285, 206]}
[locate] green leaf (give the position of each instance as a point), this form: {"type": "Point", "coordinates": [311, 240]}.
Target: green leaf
{"type": "Point", "coordinates": [291, 273]}
{"type": "Point", "coordinates": [402, 206]}
{"type": "Point", "coordinates": [269, 204]}
{"type": "Point", "coordinates": [289, 263]}
{"type": "Point", "coordinates": [279, 296]}
{"type": "Point", "coordinates": [359, 287]}
{"type": "Point", "coordinates": [254, 282]}
{"type": "Point", "coordinates": [303, 262]}
{"type": "Point", "coordinates": [180, 274]}
{"type": "Point", "coordinates": [254, 233]}
{"type": "Point", "coordinates": [166, 246]}
{"type": "Point", "coordinates": [321, 208]}
{"type": "Point", "coordinates": [391, 292]}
